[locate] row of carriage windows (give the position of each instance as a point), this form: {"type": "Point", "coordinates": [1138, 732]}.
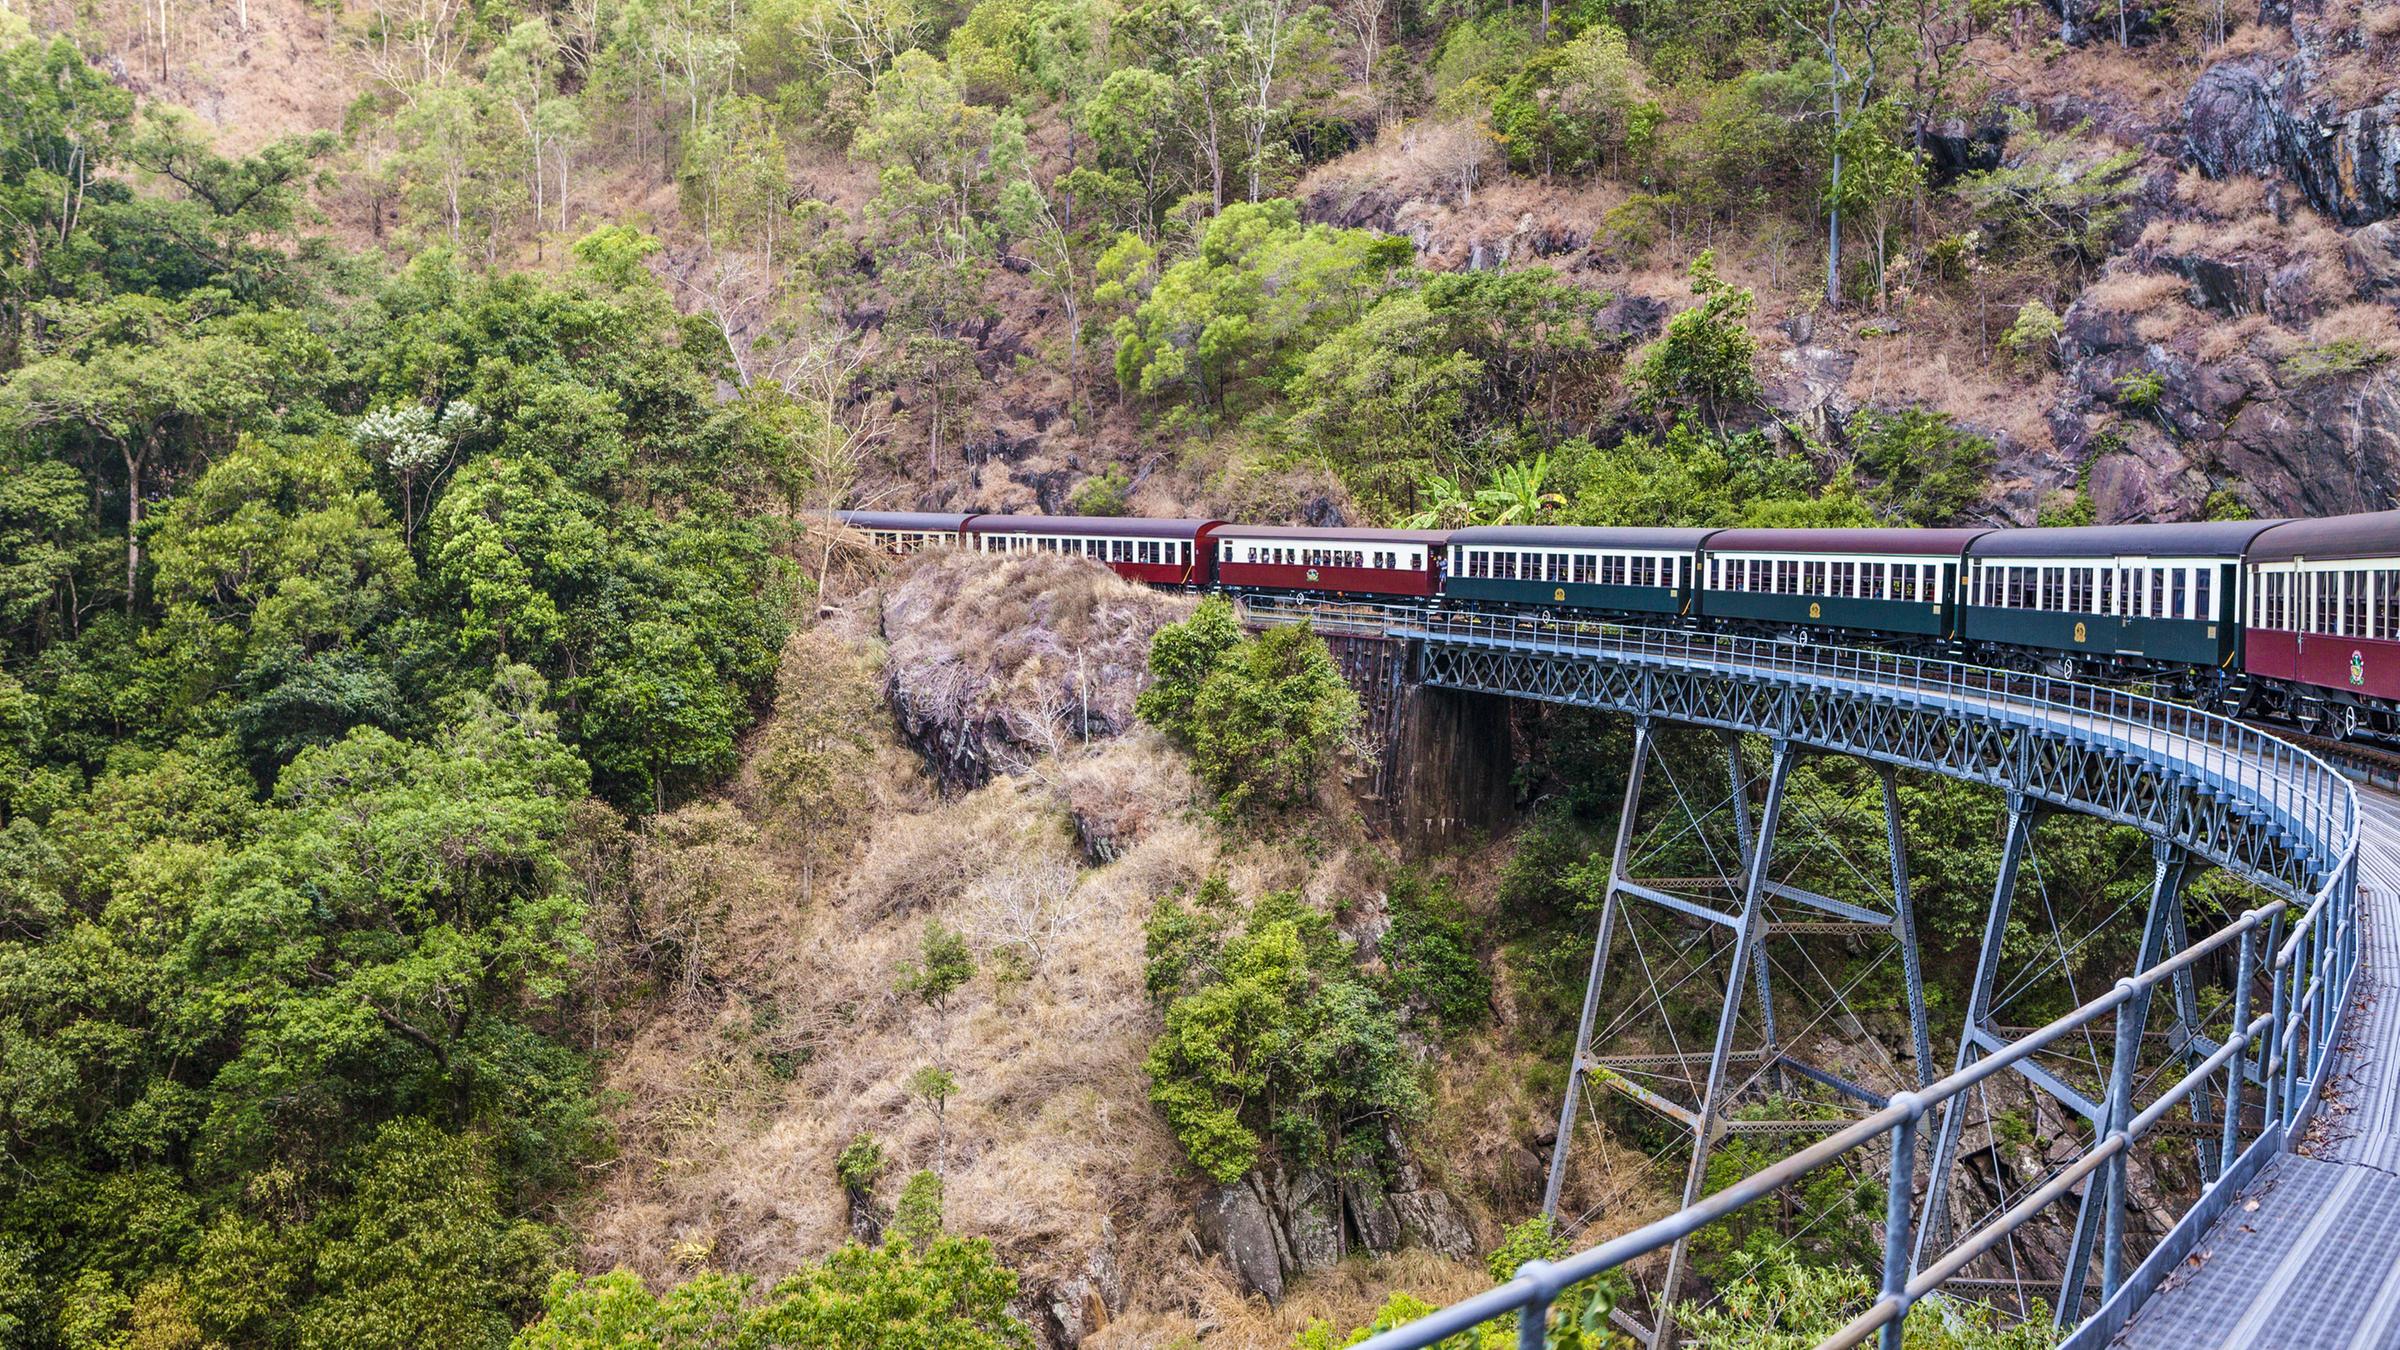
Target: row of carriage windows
{"type": "Point", "coordinates": [2168, 592]}
{"type": "Point", "coordinates": [1277, 555]}
{"type": "Point", "coordinates": [1907, 582]}
{"type": "Point", "coordinates": [1580, 569]}
{"type": "Point", "coordinates": [1156, 552]}
{"type": "Point", "coordinates": [2351, 602]}
{"type": "Point", "coordinates": [909, 541]}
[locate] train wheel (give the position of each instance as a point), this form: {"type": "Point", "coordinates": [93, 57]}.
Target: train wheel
{"type": "Point", "coordinates": [2341, 721]}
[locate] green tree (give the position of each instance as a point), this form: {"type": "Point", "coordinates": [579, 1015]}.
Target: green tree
{"type": "Point", "coordinates": [145, 382]}
{"type": "Point", "coordinates": [1269, 719]}
{"type": "Point", "coordinates": [422, 1252]}
{"type": "Point", "coordinates": [1227, 327]}
{"type": "Point", "coordinates": [659, 711]}
{"type": "Point", "coordinates": [944, 965]}
{"type": "Point", "coordinates": [1881, 176]}
{"type": "Point", "coordinates": [1182, 657]}
{"type": "Point", "coordinates": [1704, 363]}
{"type": "Point", "coordinates": [1272, 1034]}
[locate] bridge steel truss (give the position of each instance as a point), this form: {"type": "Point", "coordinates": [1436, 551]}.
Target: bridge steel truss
{"type": "Point", "coordinates": [2202, 788]}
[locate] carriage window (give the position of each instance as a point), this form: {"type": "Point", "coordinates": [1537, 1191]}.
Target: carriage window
{"type": "Point", "coordinates": [2180, 609]}
{"type": "Point", "coordinates": [2079, 590]}
{"type": "Point", "coordinates": [1844, 574]}
{"type": "Point", "coordinates": [2203, 591]}
{"type": "Point", "coordinates": [1416, 561]}
{"type": "Point", "coordinates": [2354, 604]}
{"type": "Point", "coordinates": [2108, 590]}
{"type": "Point", "coordinates": [1504, 566]}
{"type": "Point", "coordinates": [1583, 569]}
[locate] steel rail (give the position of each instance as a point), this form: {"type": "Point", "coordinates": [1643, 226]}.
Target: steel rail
{"type": "Point", "coordinates": [2309, 808]}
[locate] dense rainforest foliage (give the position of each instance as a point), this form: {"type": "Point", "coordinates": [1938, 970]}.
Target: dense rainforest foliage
{"type": "Point", "coordinates": [330, 593]}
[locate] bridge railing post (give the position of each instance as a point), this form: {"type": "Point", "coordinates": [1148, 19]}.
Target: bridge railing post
{"type": "Point", "coordinates": [1899, 1202]}
{"type": "Point", "coordinates": [2230, 1134]}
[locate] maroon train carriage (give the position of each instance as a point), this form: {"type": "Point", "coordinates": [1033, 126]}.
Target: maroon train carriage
{"type": "Point", "coordinates": [900, 533]}
{"type": "Point", "coordinates": [2324, 622]}
{"type": "Point", "coordinates": [1158, 552]}
{"type": "Point", "coordinates": [1331, 562]}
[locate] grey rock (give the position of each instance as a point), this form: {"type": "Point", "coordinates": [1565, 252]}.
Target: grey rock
{"type": "Point", "coordinates": [2373, 255]}
{"type": "Point", "coordinates": [1312, 1222]}
{"type": "Point", "coordinates": [2231, 287]}
{"type": "Point", "coordinates": [1371, 1217]}
{"type": "Point", "coordinates": [2250, 117]}
{"type": "Point", "coordinates": [1954, 146]}
{"type": "Point", "coordinates": [1430, 1218]}
{"type": "Point", "coordinates": [1081, 1304]}
{"type": "Point", "coordinates": [1235, 1221]}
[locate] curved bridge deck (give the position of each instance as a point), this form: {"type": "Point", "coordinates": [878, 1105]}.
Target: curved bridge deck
{"type": "Point", "coordinates": [2308, 1255]}
{"type": "Point", "coordinates": [2296, 1243]}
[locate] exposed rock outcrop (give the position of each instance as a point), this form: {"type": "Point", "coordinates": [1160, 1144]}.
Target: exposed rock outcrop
{"type": "Point", "coordinates": [2255, 117]}
{"type": "Point", "coordinates": [1274, 1226]}
{"type": "Point", "coordinates": [997, 661]}
{"type": "Point", "coordinates": [2298, 428]}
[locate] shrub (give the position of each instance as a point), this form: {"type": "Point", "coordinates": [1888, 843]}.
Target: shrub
{"type": "Point", "coordinates": [1272, 1034]}
{"type": "Point", "coordinates": [1927, 469]}
{"type": "Point", "coordinates": [917, 1219]}
{"type": "Point", "coordinates": [1268, 718]}
{"type": "Point", "coordinates": [2031, 342]}
{"type": "Point", "coordinates": [1705, 358]}
{"type": "Point", "coordinates": [861, 1163]}
{"type": "Point", "coordinates": [1102, 494]}
{"type": "Point", "coordinates": [1431, 957]}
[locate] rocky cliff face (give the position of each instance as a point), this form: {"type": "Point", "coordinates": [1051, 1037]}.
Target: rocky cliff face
{"type": "Point", "coordinates": [2270, 119]}
{"type": "Point", "coordinates": [1274, 1226]}
{"type": "Point", "coordinates": [993, 666]}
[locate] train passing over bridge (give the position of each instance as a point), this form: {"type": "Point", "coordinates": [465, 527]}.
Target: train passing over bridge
{"type": "Point", "coordinates": [2293, 619]}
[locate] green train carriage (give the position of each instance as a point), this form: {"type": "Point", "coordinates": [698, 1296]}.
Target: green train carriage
{"type": "Point", "coordinates": [1643, 572]}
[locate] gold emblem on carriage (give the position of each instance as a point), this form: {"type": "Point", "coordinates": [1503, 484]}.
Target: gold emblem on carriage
{"type": "Point", "coordinates": [2079, 634]}
{"type": "Point", "coordinates": [1559, 594]}
{"type": "Point", "coordinates": [2358, 667]}
{"type": "Point", "coordinates": [1312, 574]}
{"type": "Point", "coordinates": [1815, 610]}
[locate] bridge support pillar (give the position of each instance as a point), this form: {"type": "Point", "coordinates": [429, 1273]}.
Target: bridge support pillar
{"type": "Point", "coordinates": [1748, 937]}
{"type": "Point", "coordinates": [1579, 1066]}
{"type": "Point", "coordinates": [1750, 898]}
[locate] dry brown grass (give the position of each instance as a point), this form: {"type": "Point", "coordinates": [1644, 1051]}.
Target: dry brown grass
{"type": "Point", "coordinates": [2170, 320]}
{"type": "Point", "coordinates": [2371, 326]}
{"type": "Point", "coordinates": [2129, 292]}
{"type": "Point", "coordinates": [1000, 662]}
{"type": "Point", "coordinates": [2381, 23]}
{"type": "Point", "coordinates": [2255, 39]}
{"type": "Point", "coordinates": [2223, 198]}
{"type": "Point", "coordinates": [2227, 339]}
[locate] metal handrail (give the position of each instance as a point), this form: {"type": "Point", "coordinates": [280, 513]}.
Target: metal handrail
{"type": "Point", "coordinates": [2309, 970]}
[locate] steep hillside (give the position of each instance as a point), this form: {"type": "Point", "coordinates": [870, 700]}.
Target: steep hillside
{"type": "Point", "coordinates": [424, 409]}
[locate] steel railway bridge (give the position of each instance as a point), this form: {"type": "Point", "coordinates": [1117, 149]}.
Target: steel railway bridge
{"type": "Point", "coordinates": [2203, 1075]}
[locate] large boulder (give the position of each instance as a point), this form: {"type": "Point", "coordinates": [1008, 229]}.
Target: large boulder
{"type": "Point", "coordinates": [999, 660]}
{"type": "Point", "coordinates": [1234, 1220]}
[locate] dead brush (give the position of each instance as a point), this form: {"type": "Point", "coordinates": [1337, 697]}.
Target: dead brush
{"type": "Point", "coordinates": [2128, 292]}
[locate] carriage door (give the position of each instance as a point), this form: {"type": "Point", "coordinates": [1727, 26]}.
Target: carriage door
{"type": "Point", "coordinates": [2132, 604]}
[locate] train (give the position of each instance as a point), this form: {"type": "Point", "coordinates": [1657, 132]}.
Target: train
{"type": "Point", "coordinates": [2291, 619]}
